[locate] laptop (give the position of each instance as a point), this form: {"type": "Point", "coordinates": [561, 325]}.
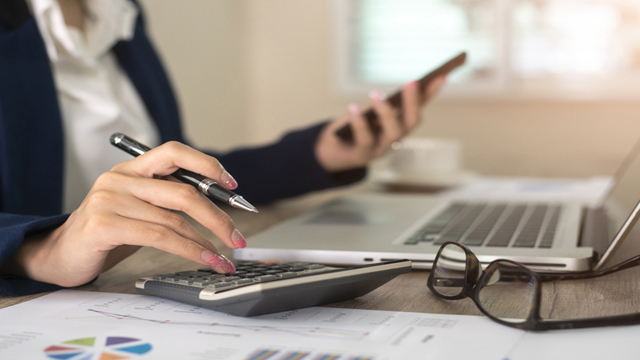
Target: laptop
{"type": "Point", "coordinates": [547, 236]}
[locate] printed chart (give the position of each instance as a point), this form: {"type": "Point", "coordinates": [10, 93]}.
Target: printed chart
{"type": "Point", "coordinates": [271, 354]}
{"type": "Point", "coordinates": [82, 325]}
{"type": "Point", "coordinates": [90, 348]}
{"type": "Point", "coordinates": [317, 332]}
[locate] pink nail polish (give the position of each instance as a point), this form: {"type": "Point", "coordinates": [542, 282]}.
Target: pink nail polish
{"type": "Point", "coordinates": [377, 96]}
{"type": "Point", "coordinates": [217, 260]}
{"type": "Point", "coordinates": [354, 110]}
{"type": "Point", "coordinates": [238, 240]}
{"type": "Point", "coordinates": [229, 267]}
{"type": "Point", "coordinates": [228, 181]}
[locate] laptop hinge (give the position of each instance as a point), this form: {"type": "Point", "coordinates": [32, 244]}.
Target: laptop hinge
{"type": "Point", "coordinates": [594, 233]}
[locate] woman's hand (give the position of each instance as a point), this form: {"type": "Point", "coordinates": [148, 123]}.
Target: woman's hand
{"type": "Point", "coordinates": [336, 155]}
{"type": "Point", "coordinates": [126, 208]}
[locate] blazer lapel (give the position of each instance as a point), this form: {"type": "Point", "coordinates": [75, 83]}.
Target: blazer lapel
{"type": "Point", "coordinates": [31, 137]}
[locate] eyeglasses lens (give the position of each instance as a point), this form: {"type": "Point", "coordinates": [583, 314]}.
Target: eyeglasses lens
{"type": "Point", "coordinates": [449, 271]}
{"type": "Point", "coordinates": [509, 292]}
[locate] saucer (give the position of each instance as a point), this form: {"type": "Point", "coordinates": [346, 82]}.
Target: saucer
{"type": "Point", "coordinates": [421, 182]}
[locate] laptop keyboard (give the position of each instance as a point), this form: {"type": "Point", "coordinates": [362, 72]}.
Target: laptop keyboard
{"type": "Point", "coordinates": [495, 225]}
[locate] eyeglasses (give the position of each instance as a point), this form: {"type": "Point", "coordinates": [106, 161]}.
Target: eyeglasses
{"type": "Point", "coordinates": [508, 292]}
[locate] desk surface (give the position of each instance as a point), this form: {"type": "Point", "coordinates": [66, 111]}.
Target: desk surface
{"type": "Point", "coordinates": [610, 295]}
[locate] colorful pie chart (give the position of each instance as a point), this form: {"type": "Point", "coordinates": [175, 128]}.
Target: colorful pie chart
{"type": "Point", "coordinates": [94, 348]}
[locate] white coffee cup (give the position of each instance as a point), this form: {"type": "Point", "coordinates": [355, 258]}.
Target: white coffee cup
{"type": "Point", "coordinates": [424, 157]}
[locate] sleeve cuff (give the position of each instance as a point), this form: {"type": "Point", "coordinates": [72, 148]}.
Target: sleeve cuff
{"type": "Point", "coordinates": [13, 229]}
{"type": "Point", "coordinates": [307, 138]}
{"type": "Point", "coordinates": [284, 169]}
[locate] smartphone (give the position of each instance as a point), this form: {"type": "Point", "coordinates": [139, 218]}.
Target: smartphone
{"type": "Point", "coordinates": [395, 100]}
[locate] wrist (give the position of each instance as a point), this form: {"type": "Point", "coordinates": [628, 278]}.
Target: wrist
{"type": "Point", "coordinates": [31, 259]}
{"type": "Point", "coordinates": [329, 152]}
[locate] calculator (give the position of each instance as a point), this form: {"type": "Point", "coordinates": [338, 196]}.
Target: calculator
{"type": "Point", "coordinates": [262, 288]}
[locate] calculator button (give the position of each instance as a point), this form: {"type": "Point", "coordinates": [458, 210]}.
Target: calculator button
{"type": "Point", "coordinates": [201, 283]}
{"type": "Point", "coordinates": [217, 286]}
{"type": "Point", "coordinates": [266, 278]}
{"type": "Point", "coordinates": [301, 264]}
{"type": "Point", "coordinates": [297, 269]}
{"type": "Point", "coordinates": [163, 276]}
{"type": "Point", "coordinates": [208, 270]}
{"type": "Point", "coordinates": [251, 274]}
{"type": "Point", "coordinates": [286, 275]}
{"type": "Point", "coordinates": [213, 277]}
{"type": "Point", "coordinates": [185, 282]}
{"type": "Point", "coordinates": [273, 272]}
{"type": "Point", "coordinates": [201, 273]}
{"type": "Point", "coordinates": [187, 273]}
{"type": "Point", "coordinates": [278, 265]}
{"type": "Point", "coordinates": [314, 267]}
{"type": "Point", "coordinates": [243, 282]}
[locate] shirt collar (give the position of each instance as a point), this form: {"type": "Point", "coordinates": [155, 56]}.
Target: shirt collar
{"type": "Point", "coordinates": [108, 21]}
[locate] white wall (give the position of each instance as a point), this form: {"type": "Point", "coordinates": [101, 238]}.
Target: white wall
{"type": "Point", "coordinates": [201, 42]}
{"type": "Point", "coordinates": [248, 70]}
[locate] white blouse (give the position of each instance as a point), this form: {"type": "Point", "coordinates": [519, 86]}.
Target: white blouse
{"type": "Point", "coordinates": [96, 97]}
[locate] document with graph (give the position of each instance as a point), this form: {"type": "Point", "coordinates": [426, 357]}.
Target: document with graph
{"type": "Point", "coordinates": [82, 325]}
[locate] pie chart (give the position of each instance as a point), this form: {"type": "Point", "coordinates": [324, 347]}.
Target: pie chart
{"type": "Point", "coordinates": [99, 348]}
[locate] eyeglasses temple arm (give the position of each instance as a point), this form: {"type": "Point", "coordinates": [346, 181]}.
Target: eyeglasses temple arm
{"type": "Point", "coordinates": [634, 261]}
{"type": "Point", "coordinates": [628, 319]}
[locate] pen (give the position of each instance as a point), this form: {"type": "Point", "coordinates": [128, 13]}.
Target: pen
{"type": "Point", "coordinates": [204, 184]}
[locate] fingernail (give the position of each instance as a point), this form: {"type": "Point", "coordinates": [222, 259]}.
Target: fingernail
{"type": "Point", "coordinates": [238, 240]}
{"type": "Point", "coordinates": [217, 260]}
{"type": "Point", "coordinates": [414, 85]}
{"type": "Point", "coordinates": [228, 181]}
{"type": "Point", "coordinates": [354, 110]}
{"type": "Point", "coordinates": [377, 96]}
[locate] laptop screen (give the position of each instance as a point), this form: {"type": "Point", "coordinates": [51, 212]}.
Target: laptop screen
{"type": "Point", "coordinates": [624, 196]}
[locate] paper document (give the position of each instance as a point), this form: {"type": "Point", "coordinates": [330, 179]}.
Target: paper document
{"type": "Point", "coordinates": [589, 190]}
{"type": "Point", "coordinates": [81, 325]}
{"type": "Point", "coordinates": [585, 344]}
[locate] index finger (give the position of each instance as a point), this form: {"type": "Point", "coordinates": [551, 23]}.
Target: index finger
{"type": "Point", "coordinates": [169, 157]}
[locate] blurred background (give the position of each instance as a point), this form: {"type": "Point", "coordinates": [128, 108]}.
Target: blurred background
{"type": "Point", "coordinates": [552, 87]}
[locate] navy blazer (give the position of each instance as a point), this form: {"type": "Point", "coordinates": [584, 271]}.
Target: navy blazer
{"type": "Point", "coordinates": [31, 137]}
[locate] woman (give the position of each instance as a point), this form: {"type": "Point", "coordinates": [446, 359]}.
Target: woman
{"type": "Point", "coordinates": [72, 73]}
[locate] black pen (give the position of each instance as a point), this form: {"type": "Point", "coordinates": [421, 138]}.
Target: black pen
{"type": "Point", "coordinates": [204, 184]}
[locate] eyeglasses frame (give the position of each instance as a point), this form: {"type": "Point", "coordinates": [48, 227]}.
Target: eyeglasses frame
{"type": "Point", "coordinates": [473, 270]}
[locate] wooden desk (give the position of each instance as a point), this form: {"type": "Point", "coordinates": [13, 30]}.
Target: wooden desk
{"type": "Point", "coordinates": [614, 294]}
